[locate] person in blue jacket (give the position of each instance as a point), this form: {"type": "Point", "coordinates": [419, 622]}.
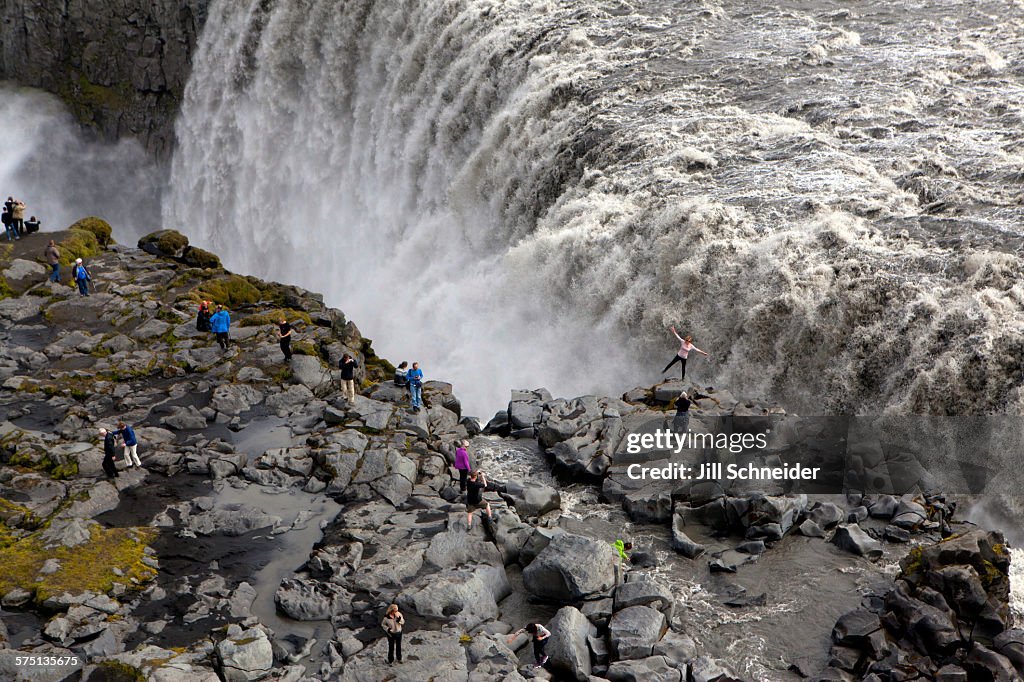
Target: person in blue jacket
{"type": "Point", "coordinates": [81, 276]}
{"type": "Point", "coordinates": [131, 445]}
{"type": "Point", "coordinates": [415, 378]}
{"type": "Point", "coordinates": [220, 324]}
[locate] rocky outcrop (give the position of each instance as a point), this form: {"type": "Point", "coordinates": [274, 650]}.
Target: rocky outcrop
{"type": "Point", "coordinates": [120, 66]}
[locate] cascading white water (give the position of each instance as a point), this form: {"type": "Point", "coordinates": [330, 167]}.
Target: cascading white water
{"type": "Point", "coordinates": [527, 193]}
{"type": "Point", "coordinates": [46, 161]}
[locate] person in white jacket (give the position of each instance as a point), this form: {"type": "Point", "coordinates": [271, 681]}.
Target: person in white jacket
{"type": "Point", "coordinates": [540, 635]}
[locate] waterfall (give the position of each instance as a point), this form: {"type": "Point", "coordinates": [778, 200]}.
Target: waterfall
{"type": "Point", "coordinates": [528, 193]}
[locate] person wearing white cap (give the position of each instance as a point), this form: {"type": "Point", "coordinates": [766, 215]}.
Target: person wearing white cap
{"type": "Point", "coordinates": [109, 468]}
{"type": "Point", "coordinates": [80, 274]}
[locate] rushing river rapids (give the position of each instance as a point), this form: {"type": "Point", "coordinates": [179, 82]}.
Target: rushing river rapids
{"type": "Point", "coordinates": [516, 193]}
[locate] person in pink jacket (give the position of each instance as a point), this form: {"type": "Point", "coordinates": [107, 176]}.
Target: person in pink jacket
{"type": "Point", "coordinates": [462, 463]}
{"type": "Point", "coordinates": [685, 346]}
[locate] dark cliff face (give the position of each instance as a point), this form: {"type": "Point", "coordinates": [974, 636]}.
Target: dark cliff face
{"type": "Point", "coordinates": [121, 65]}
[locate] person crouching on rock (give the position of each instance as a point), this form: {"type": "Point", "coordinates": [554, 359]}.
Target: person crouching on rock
{"type": "Point", "coordinates": [462, 463]}
{"type": "Point", "coordinates": [203, 317]}
{"type": "Point", "coordinates": [539, 634]}
{"type": "Point", "coordinates": [475, 487]}
{"type": "Point", "coordinates": [109, 468]}
{"type": "Point", "coordinates": [401, 375]}
{"type": "Point", "coordinates": [284, 337]}
{"type": "Point", "coordinates": [220, 324]}
{"type": "Point", "coordinates": [685, 346]}
{"type": "Point", "coordinates": [392, 624]}
{"type": "Point", "coordinates": [348, 365]}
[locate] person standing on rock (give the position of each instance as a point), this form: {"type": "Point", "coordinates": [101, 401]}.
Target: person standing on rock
{"type": "Point", "coordinates": [284, 337]}
{"type": "Point", "coordinates": [131, 445]}
{"type": "Point", "coordinates": [392, 625]}
{"type": "Point", "coordinates": [12, 234]}
{"type": "Point", "coordinates": [462, 463]}
{"type": "Point", "coordinates": [475, 487]}
{"type": "Point", "coordinates": [539, 634]}
{"type": "Point", "coordinates": [220, 324]}
{"type": "Point", "coordinates": [52, 256]}
{"type": "Point", "coordinates": [18, 215]}
{"type": "Point", "coordinates": [401, 375]}
{"type": "Point", "coordinates": [109, 468]}
{"type": "Point", "coordinates": [685, 346]}
{"type": "Point", "coordinates": [203, 317]}
{"type": "Point", "coordinates": [415, 377]}
{"type": "Point", "coordinates": [80, 274]}
{"type": "Point", "coordinates": [348, 366]}
{"type": "Point", "coordinates": [621, 548]}
{"type": "Point", "coordinates": [681, 422]}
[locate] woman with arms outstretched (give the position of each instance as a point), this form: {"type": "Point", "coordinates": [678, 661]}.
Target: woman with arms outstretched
{"type": "Point", "coordinates": [685, 346]}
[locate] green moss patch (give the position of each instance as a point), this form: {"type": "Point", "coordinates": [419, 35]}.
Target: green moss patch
{"type": "Point", "coordinates": [89, 567]}
{"type": "Point", "coordinates": [274, 317]}
{"type": "Point", "coordinates": [99, 227]}
{"type": "Point", "coordinates": [116, 671]}
{"type": "Point", "coordinates": [200, 258]}
{"type": "Point", "coordinates": [231, 291]}
{"type": "Point", "coordinates": [78, 244]}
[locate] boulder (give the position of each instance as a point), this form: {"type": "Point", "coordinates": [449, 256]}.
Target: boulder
{"type": "Point", "coordinates": [311, 600]}
{"type": "Point", "coordinates": [681, 542]}
{"type": "Point", "coordinates": [532, 499]}
{"type": "Point", "coordinates": [651, 669]}
{"type": "Point", "coordinates": [247, 656]}
{"type": "Point", "coordinates": [235, 398]}
{"type": "Point", "coordinates": [851, 538]}
{"type": "Point", "coordinates": [571, 568]}
{"type": "Point", "coordinates": [644, 593]}
{"type": "Point", "coordinates": [567, 647]}
{"type": "Point", "coordinates": [635, 630]}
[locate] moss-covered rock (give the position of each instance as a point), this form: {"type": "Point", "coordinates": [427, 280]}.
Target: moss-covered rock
{"type": "Point", "coordinates": [167, 243]}
{"type": "Point", "coordinates": [200, 258]}
{"type": "Point", "coordinates": [116, 671]}
{"type": "Point", "coordinates": [79, 244]}
{"type": "Point", "coordinates": [88, 567]}
{"type": "Point", "coordinates": [274, 317]}
{"type": "Point", "coordinates": [231, 291]}
{"type": "Point", "coordinates": [99, 227]}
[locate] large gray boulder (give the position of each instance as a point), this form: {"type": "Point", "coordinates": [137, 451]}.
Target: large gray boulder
{"type": "Point", "coordinates": [850, 537]}
{"type": "Point", "coordinates": [651, 669]}
{"type": "Point", "coordinates": [246, 656]}
{"type": "Point", "coordinates": [635, 630]}
{"type": "Point", "coordinates": [571, 568]}
{"type": "Point", "coordinates": [311, 600]}
{"type": "Point", "coordinates": [567, 647]}
{"type": "Point", "coordinates": [532, 499]}
{"type": "Point", "coordinates": [460, 596]}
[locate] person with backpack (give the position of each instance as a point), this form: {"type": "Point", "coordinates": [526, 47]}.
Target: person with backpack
{"type": "Point", "coordinates": [80, 275]}
{"type": "Point", "coordinates": [284, 337]}
{"type": "Point", "coordinates": [348, 365]}
{"type": "Point", "coordinates": [52, 256]}
{"type": "Point", "coordinates": [109, 468]}
{"type": "Point", "coordinates": [392, 625]}
{"type": "Point", "coordinates": [131, 444]}
{"type": "Point", "coordinates": [462, 463]}
{"type": "Point", "coordinates": [539, 634]}
{"type": "Point", "coordinates": [401, 375]}
{"type": "Point", "coordinates": [415, 377]}
{"type": "Point", "coordinates": [203, 317]}
{"type": "Point", "coordinates": [685, 346]}
{"type": "Point", "coordinates": [220, 324]}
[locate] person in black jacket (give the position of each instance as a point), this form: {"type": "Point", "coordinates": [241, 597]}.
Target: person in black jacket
{"type": "Point", "coordinates": [284, 336]}
{"type": "Point", "coordinates": [109, 468]}
{"type": "Point", "coordinates": [348, 367]}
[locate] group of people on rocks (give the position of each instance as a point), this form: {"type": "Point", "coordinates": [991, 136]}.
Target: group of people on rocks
{"type": "Point", "coordinates": [217, 322]}
{"type": "Point", "coordinates": [14, 222]}
{"type": "Point", "coordinates": [413, 380]}
{"type": "Point", "coordinates": [80, 275]}
{"type": "Point", "coordinates": [131, 448]}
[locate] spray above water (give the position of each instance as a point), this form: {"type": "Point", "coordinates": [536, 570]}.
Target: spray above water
{"type": "Point", "coordinates": [528, 193]}
{"type": "Point", "coordinates": [62, 175]}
